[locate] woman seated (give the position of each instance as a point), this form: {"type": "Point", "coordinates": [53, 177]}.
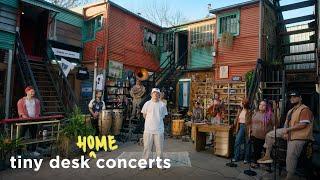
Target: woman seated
{"type": "Point", "coordinates": [262, 122]}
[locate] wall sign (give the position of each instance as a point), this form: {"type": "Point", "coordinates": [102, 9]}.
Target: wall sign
{"type": "Point", "coordinates": [236, 78]}
{"type": "Point", "coordinates": [86, 89]}
{"type": "Point", "coordinates": [224, 72]}
{"type": "Point", "coordinates": [115, 69]}
{"type": "Point", "coordinates": [66, 53]}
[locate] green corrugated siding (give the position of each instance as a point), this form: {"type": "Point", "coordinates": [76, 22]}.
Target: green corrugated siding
{"type": "Point", "coordinates": [12, 3]}
{"type": "Point", "coordinates": [201, 57]}
{"type": "Point", "coordinates": [6, 40]}
{"type": "Point", "coordinates": [164, 57]}
{"type": "Point", "coordinates": [70, 18]}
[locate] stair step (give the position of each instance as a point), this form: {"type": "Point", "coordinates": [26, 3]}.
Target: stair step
{"type": "Point", "coordinates": [297, 5]}
{"type": "Point", "coordinates": [299, 53]}
{"type": "Point", "coordinates": [298, 43]}
{"type": "Point", "coordinates": [296, 32]}
{"type": "Point", "coordinates": [298, 19]}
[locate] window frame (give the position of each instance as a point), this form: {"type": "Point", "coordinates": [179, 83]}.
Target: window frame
{"type": "Point", "coordinates": [96, 28]}
{"type": "Point", "coordinates": [227, 14]}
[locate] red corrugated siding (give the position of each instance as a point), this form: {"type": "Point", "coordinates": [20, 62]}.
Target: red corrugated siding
{"type": "Point", "coordinates": [243, 54]}
{"type": "Point", "coordinates": [125, 40]}
{"type": "Point", "coordinates": [89, 50]}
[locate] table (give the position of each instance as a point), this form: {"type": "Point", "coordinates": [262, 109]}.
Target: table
{"type": "Point", "coordinates": [221, 138]}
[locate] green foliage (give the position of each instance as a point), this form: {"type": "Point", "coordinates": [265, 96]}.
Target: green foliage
{"type": "Point", "coordinates": [7, 145]}
{"type": "Point", "coordinates": [77, 126]}
{"type": "Point", "coordinates": [249, 78]}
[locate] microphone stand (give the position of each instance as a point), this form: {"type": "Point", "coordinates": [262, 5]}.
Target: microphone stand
{"type": "Point", "coordinates": [250, 172]}
{"type": "Point", "coordinates": [231, 163]}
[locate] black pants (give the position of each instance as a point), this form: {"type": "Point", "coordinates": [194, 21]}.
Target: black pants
{"type": "Point", "coordinates": [95, 125]}
{"type": "Point", "coordinates": [33, 129]}
{"type": "Point", "coordinates": [257, 148]}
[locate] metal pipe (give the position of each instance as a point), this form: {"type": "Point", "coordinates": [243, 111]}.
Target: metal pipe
{"type": "Point", "coordinates": [8, 88]}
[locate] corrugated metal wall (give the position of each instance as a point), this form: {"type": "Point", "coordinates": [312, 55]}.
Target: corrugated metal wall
{"type": "Point", "coordinates": [245, 49]}
{"type": "Point", "coordinates": [8, 20]}
{"type": "Point", "coordinates": [125, 40]}
{"type": "Point", "coordinates": [201, 57]}
{"type": "Point", "coordinates": [12, 3]}
{"type": "Point", "coordinates": [70, 18]}
{"type": "Point", "coordinates": [7, 40]}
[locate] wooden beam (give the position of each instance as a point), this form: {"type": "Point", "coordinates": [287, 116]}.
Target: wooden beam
{"type": "Point", "coordinates": [297, 5]}
{"type": "Point", "coordinates": [298, 19]}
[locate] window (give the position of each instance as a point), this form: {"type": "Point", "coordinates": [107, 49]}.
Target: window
{"type": "Point", "coordinates": [202, 35]}
{"type": "Point", "coordinates": [92, 26]}
{"type": "Point", "coordinates": [229, 22]}
{"type": "Point", "coordinates": [150, 37]}
{"type": "Point", "coordinates": [166, 42]}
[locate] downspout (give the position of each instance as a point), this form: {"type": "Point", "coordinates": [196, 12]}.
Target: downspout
{"type": "Point", "coordinates": [106, 43]}
{"type": "Point", "coordinates": [8, 86]}
{"type": "Point", "coordinates": [260, 28]}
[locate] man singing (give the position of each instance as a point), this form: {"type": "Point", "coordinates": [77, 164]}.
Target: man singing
{"type": "Point", "coordinates": [95, 107]}
{"type": "Point", "coordinates": [153, 112]}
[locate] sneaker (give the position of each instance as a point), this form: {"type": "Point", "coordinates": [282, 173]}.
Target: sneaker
{"type": "Point", "coordinates": [245, 161]}
{"type": "Point", "coordinates": [265, 160]}
{"type": "Point", "coordinates": [234, 160]}
{"type": "Point", "coordinates": [35, 153]}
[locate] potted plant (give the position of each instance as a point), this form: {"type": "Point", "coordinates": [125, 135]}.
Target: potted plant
{"type": "Point", "coordinates": [7, 147]}
{"type": "Point", "coordinates": [76, 126]}
{"type": "Point", "coordinates": [227, 39]}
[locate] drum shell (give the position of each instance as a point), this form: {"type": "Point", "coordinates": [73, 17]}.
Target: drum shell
{"type": "Point", "coordinates": [105, 122]}
{"type": "Point", "coordinates": [177, 128]}
{"type": "Point", "coordinates": [117, 121]}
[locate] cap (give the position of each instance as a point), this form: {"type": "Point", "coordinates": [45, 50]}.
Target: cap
{"type": "Point", "coordinates": [294, 93]}
{"type": "Point", "coordinates": [28, 89]}
{"type": "Point", "coordinates": [155, 90]}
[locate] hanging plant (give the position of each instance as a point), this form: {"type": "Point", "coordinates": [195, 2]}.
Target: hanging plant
{"type": "Point", "coordinates": [249, 78]}
{"type": "Point", "coordinates": [227, 39]}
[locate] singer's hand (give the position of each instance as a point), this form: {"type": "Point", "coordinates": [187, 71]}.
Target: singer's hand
{"type": "Point", "coordinates": [285, 136]}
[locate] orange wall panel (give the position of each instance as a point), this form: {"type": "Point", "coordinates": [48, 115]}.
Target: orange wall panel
{"type": "Point", "coordinates": [244, 52]}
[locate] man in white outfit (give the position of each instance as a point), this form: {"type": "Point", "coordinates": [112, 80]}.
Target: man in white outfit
{"type": "Point", "coordinates": [153, 112]}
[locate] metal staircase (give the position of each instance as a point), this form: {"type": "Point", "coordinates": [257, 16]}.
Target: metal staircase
{"type": "Point", "coordinates": [51, 87]}
{"type": "Point", "coordinates": [298, 39]}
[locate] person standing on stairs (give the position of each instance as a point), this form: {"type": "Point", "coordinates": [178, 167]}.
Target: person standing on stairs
{"type": "Point", "coordinates": [153, 112]}
{"type": "Point", "coordinates": [29, 107]}
{"type": "Point", "coordinates": [96, 105]}
{"type": "Point", "coordinates": [297, 131]}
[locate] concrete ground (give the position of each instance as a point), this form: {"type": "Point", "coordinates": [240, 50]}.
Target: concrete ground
{"type": "Point", "coordinates": [204, 165]}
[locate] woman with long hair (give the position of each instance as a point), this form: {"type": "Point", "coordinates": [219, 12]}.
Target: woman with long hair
{"type": "Point", "coordinates": [261, 124]}
{"type": "Point", "coordinates": [242, 123]}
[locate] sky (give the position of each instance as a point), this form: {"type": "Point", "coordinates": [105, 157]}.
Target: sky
{"type": "Point", "coordinates": [197, 9]}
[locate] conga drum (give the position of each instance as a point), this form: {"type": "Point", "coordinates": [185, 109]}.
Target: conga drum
{"type": "Point", "coordinates": [87, 119]}
{"type": "Point", "coordinates": [105, 121]}
{"type": "Point", "coordinates": [177, 127]}
{"type": "Point", "coordinates": [118, 119]}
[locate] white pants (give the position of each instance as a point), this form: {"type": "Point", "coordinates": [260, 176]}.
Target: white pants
{"type": "Point", "coordinates": [148, 141]}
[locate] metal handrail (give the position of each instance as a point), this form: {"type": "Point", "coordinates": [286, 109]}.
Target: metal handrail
{"type": "Point", "coordinates": [72, 100]}
{"type": "Point", "coordinates": [255, 81]}
{"type": "Point", "coordinates": [23, 59]}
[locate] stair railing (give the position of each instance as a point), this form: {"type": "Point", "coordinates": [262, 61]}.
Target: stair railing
{"type": "Point", "coordinates": [254, 86]}
{"type": "Point", "coordinates": [25, 69]}
{"type": "Point", "coordinates": [65, 92]}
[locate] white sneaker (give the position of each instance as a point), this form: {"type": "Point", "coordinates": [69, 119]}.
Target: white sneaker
{"type": "Point", "coordinates": [35, 153]}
